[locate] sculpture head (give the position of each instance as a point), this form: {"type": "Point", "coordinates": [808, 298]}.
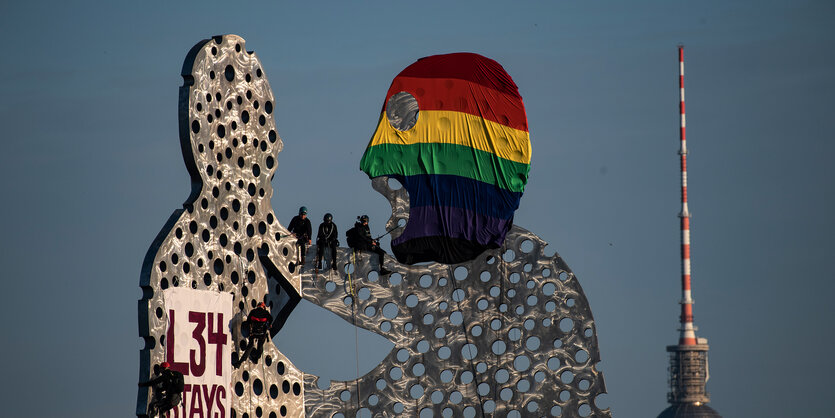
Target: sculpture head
{"type": "Point", "coordinates": [453, 131]}
{"type": "Point", "coordinates": [229, 115]}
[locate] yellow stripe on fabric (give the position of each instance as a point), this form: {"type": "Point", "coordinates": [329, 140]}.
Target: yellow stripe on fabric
{"type": "Point", "coordinates": [458, 128]}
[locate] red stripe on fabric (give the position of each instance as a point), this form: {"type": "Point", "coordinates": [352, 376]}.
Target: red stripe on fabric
{"type": "Point", "coordinates": [463, 96]}
{"type": "Point", "coordinates": [464, 66]}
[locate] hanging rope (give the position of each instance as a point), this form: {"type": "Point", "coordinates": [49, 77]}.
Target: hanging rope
{"type": "Point", "coordinates": [357, 347]}
{"type": "Point", "coordinates": [467, 339]}
{"type": "Point", "coordinates": [352, 292]}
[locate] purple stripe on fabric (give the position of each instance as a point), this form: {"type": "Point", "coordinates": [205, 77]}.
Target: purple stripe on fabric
{"type": "Point", "coordinates": [427, 221]}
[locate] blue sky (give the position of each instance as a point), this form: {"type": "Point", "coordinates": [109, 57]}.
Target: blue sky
{"type": "Point", "coordinates": [91, 169]}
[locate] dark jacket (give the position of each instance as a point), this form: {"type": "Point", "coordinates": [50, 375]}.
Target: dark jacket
{"type": "Point", "coordinates": [359, 237]}
{"type": "Point", "coordinates": [170, 381]}
{"type": "Point", "coordinates": [328, 234]}
{"type": "Point", "coordinates": [301, 227]}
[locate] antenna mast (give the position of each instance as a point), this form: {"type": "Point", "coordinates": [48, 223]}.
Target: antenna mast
{"type": "Point", "coordinates": [688, 360]}
{"type": "Point", "coordinates": [688, 332]}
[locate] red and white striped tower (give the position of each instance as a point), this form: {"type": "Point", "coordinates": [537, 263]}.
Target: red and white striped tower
{"type": "Point", "coordinates": [688, 359]}
{"type": "Point", "coordinates": [688, 332]}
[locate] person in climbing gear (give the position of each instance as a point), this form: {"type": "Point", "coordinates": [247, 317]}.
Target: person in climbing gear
{"type": "Point", "coordinates": [359, 238]}
{"type": "Point", "coordinates": [167, 389]}
{"type": "Point", "coordinates": [327, 237]}
{"type": "Point", "coordinates": [301, 229]}
{"type": "Point", "coordinates": [258, 323]}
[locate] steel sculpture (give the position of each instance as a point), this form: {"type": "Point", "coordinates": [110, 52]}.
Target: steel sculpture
{"type": "Point", "coordinates": [508, 331]}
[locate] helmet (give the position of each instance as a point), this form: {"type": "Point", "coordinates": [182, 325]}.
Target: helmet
{"type": "Point", "coordinates": [364, 218]}
{"type": "Point", "coordinates": [328, 217]}
{"type": "Point", "coordinates": [165, 365]}
{"type": "Point", "coordinates": [303, 210]}
{"type": "Point", "coordinates": [261, 305]}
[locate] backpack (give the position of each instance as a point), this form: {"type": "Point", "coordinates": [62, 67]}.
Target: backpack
{"type": "Point", "coordinates": [352, 237]}
{"type": "Point", "coordinates": [176, 381]}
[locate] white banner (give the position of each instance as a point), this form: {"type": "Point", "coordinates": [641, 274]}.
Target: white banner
{"type": "Point", "coordinates": [198, 344]}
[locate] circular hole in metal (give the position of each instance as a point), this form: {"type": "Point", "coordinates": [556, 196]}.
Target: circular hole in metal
{"type": "Point", "coordinates": [566, 324]}
{"type": "Point", "coordinates": [390, 310]}
{"type": "Point", "coordinates": [418, 369]}
{"type": "Point", "coordinates": [402, 111]}
{"type": "Point", "coordinates": [455, 397]}
{"type": "Point", "coordinates": [476, 330]}
{"type": "Point", "coordinates": [521, 363]}
{"type": "Point", "coordinates": [402, 355]}
{"type": "Point", "coordinates": [469, 351]}
{"type": "Point", "coordinates": [584, 410]}
{"type": "Point", "coordinates": [532, 406]}
{"type": "Point", "coordinates": [466, 377]}
{"type": "Point", "coordinates": [509, 255]}
{"type": "Point", "coordinates": [440, 332]}
{"type": "Point", "coordinates": [506, 394]}
{"type": "Point", "coordinates": [395, 279]}
{"type": "Point", "coordinates": [416, 391]}
{"type": "Point", "coordinates": [567, 376]}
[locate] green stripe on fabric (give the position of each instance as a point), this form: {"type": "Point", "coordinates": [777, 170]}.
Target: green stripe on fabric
{"type": "Point", "coordinates": [450, 159]}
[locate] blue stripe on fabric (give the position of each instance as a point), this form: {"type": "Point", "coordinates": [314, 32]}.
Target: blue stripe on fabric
{"type": "Point", "coordinates": [442, 190]}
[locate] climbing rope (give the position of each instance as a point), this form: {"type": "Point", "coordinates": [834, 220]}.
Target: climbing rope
{"type": "Point", "coordinates": [466, 338]}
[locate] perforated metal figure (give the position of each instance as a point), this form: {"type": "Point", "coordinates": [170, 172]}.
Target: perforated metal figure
{"type": "Point", "coordinates": [258, 323]}
{"type": "Point", "coordinates": [301, 229]}
{"type": "Point", "coordinates": [359, 238]}
{"type": "Point", "coordinates": [327, 237]}
{"type": "Point", "coordinates": [167, 389]}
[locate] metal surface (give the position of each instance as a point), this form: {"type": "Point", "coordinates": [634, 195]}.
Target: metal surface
{"type": "Point", "coordinates": [509, 331]}
{"type": "Point", "coordinates": [227, 238]}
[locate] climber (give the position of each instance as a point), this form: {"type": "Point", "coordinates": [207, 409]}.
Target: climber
{"type": "Point", "coordinates": [301, 229]}
{"type": "Point", "coordinates": [359, 238]}
{"type": "Point", "coordinates": [258, 323]}
{"type": "Point", "coordinates": [327, 238]}
{"type": "Point", "coordinates": [167, 389]}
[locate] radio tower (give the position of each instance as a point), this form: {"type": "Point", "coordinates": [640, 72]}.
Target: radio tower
{"type": "Point", "coordinates": [688, 360]}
